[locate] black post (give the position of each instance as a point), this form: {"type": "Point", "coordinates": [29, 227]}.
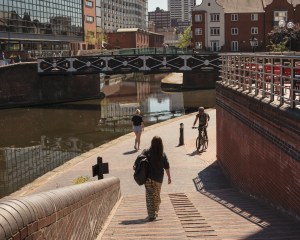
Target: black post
{"type": "Point", "coordinates": [100, 168]}
{"type": "Point", "coordinates": [181, 138]}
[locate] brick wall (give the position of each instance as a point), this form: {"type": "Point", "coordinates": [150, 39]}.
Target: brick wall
{"type": "Point", "coordinates": [76, 212]}
{"type": "Point", "coordinates": [258, 147]}
{"type": "Point", "coordinates": [21, 85]}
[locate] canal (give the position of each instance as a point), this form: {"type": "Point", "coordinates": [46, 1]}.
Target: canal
{"type": "Point", "coordinates": [36, 140]}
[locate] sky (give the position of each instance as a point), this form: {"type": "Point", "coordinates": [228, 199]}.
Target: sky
{"type": "Point", "coordinates": [163, 4]}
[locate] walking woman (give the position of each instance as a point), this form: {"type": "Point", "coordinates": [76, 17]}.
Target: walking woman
{"type": "Point", "coordinates": [158, 162]}
{"type": "Point", "coordinates": [138, 127]}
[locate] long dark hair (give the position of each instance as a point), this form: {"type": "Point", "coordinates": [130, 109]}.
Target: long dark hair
{"type": "Point", "coordinates": [157, 148]}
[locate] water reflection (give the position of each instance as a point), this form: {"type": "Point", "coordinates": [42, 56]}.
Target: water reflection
{"type": "Point", "coordinates": [36, 140]}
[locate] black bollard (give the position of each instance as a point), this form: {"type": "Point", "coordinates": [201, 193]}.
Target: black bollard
{"type": "Point", "coordinates": [181, 139]}
{"type": "Point", "coordinates": [100, 168]}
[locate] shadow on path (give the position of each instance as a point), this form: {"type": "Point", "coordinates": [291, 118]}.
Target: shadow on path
{"type": "Point", "coordinates": [212, 183]}
{"type": "Point", "coordinates": [130, 152]}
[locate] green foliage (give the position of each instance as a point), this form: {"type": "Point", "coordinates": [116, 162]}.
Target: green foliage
{"type": "Point", "coordinates": [81, 179]}
{"type": "Point", "coordinates": [89, 37]}
{"type": "Point", "coordinates": [280, 38]}
{"type": "Point", "coordinates": [278, 47]}
{"type": "Point", "coordinates": [185, 38]}
{"type": "Point", "coordinates": [101, 36]}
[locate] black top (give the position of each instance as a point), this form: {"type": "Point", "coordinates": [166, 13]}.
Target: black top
{"type": "Point", "coordinates": [137, 120]}
{"type": "Point", "coordinates": [202, 119]}
{"type": "Point", "coordinates": [156, 172]}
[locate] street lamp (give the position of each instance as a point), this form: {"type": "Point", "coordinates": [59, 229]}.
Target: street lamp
{"type": "Point", "coordinates": [290, 25]}
{"type": "Point", "coordinates": [253, 43]}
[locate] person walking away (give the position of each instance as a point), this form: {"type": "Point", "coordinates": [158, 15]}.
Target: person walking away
{"type": "Point", "coordinates": [138, 127]}
{"type": "Point", "coordinates": [203, 120]}
{"type": "Point", "coordinates": [158, 162]}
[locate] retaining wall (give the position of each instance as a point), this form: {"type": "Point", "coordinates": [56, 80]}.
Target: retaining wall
{"type": "Point", "coordinates": [76, 212]}
{"type": "Point", "coordinates": [20, 85]}
{"type": "Point", "coordinates": [258, 147]}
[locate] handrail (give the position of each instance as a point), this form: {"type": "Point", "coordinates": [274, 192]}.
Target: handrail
{"type": "Point", "coordinates": [272, 76]}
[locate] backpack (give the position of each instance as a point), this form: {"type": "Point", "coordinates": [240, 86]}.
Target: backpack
{"type": "Point", "coordinates": [141, 168]}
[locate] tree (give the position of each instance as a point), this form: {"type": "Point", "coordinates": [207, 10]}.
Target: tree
{"type": "Point", "coordinates": [185, 38]}
{"type": "Point", "coordinates": [101, 38]}
{"type": "Point", "coordinates": [280, 38]}
{"type": "Point", "coordinates": [90, 37]}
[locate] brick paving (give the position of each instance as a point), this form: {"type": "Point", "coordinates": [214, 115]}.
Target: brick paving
{"type": "Point", "coordinates": [199, 204]}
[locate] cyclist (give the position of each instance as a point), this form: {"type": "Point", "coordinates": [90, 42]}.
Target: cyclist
{"type": "Point", "coordinates": [203, 120]}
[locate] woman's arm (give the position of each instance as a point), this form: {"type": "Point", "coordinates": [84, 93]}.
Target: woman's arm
{"type": "Point", "coordinates": [169, 175]}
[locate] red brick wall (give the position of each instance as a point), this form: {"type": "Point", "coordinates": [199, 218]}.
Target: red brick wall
{"type": "Point", "coordinates": [76, 212]}
{"type": "Point", "coordinates": [138, 39]}
{"type": "Point", "coordinates": [258, 147]}
{"type": "Point", "coordinates": [244, 25]}
{"type": "Point", "coordinates": [198, 38]}
{"type": "Point", "coordinates": [21, 85]}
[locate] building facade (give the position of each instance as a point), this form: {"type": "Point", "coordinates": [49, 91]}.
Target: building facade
{"type": "Point", "coordinates": [40, 25]}
{"type": "Point", "coordinates": [128, 38]}
{"type": "Point", "coordinates": [208, 31]}
{"type": "Point", "coordinates": [90, 34]}
{"type": "Point", "coordinates": [181, 12]}
{"type": "Point", "coordinates": [160, 18]}
{"type": "Point", "coordinates": [115, 14]}
{"type": "Point", "coordinates": [234, 22]}
{"type": "Point", "coordinates": [134, 38]}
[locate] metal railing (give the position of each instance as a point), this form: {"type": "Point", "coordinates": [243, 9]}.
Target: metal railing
{"type": "Point", "coordinates": [276, 77]}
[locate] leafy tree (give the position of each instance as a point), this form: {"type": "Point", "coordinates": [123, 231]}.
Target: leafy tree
{"type": "Point", "coordinates": [185, 38]}
{"type": "Point", "coordinates": [101, 37]}
{"type": "Point", "coordinates": [89, 37]}
{"type": "Point", "coordinates": [280, 38]}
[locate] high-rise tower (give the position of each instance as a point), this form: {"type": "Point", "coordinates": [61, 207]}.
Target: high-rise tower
{"type": "Point", "coordinates": [181, 12]}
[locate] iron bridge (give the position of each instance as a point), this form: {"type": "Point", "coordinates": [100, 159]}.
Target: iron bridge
{"type": "Point", "coordinates": [116, 64]}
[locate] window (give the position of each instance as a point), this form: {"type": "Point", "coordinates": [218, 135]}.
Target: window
{"type": "Point", "coordinates": [279, 15]}
{"type": "Point", "coordinates": [90, 19]}
{"type": "Point", "coordinates": [254, 17]}
{"type": "Point", "coordinates": [234, 46]}
{"type": "Point", "coordinates": [234, 17]}
{"type": "Point", "coordinates": [198, 18]}
{"type": "Point", "coordinates": [215, 17]}
{"type": "Point", "coordinates": [89, 3]}
{"type": "Point", "coordinates": [254, 30]}
{"type": "Point", "coordinates": [214, 31]}
{"type": "Point", "coordinates": [214, 46]}
{"type": "Point", "coordinates": [198, 31]}
{"type": "Point", "coordinates": [234, 31]}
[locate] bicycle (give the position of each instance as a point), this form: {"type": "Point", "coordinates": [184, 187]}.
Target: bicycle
{"type": "Point", "coordinates": [202, 140]}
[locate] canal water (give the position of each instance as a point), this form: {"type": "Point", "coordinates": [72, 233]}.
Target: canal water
{"type": "Point", "coordinates": [36, 140]}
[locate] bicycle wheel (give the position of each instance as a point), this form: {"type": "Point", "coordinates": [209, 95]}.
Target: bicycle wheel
{"type": "Point", "coordinates": [205, 143]}
{"type": "Point", "coordinates": [198, 144]}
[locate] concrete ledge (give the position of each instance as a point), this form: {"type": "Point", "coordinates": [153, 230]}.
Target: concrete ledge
{"type": "Point", "coordinates": [76, 212]}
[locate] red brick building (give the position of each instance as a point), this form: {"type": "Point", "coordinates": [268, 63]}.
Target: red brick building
{"type": "Point", "coordinates": [156, 39]}
{"type": "Point", "coordinates": [134, 38]}
{"type": "Point", "coordinates": [89, 24]}
{"type": "Point", "coordinates": [228, 25]}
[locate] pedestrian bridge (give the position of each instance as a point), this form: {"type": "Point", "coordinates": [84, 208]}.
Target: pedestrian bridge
{"type": "Point", "coordinates": [156, 60]}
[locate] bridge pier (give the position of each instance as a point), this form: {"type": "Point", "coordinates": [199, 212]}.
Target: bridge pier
{"type": "Point", "coordinates": [200, 80]}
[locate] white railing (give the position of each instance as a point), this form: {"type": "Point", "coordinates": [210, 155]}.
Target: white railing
{"type": "Point", "coordinates": [276, 77]}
